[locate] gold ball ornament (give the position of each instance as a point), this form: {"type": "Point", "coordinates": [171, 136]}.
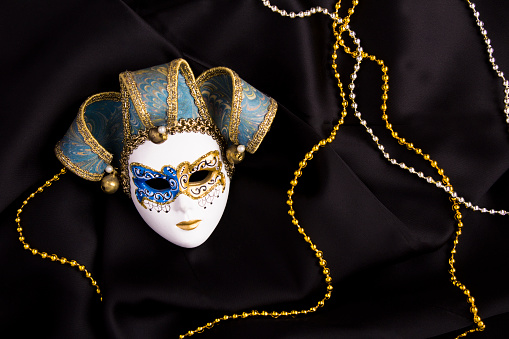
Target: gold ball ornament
{"type": "Point", "coordinates": [235, 154]}
{"type": "Point", "coordinates": [110, 183]}
{"type": "Point", "coordinates": [158, 135]}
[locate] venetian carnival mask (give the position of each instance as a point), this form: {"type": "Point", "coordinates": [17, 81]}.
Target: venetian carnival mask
{"type": "Point", "coordinates": [172, 142]}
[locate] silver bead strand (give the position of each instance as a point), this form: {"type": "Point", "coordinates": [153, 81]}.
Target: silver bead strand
{"type": "Point", "coordinates": [386, 155]}
{"type": "Point", "coordinates": [301, 14]}
{"type": "Point", "coordinates": [491, 58]}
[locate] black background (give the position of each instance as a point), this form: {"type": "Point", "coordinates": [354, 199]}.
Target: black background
{"type": "Point", "coordinates": [385, 233]}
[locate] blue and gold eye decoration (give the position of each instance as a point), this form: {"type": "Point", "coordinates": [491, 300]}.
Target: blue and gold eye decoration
{"type": "Point", "coordinates": [157, 189]}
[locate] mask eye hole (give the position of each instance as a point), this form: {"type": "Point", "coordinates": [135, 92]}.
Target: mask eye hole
{"type": "Point", "coordinates": [200, 177]}
{"type": "Point", "coordinates": [158, 184]}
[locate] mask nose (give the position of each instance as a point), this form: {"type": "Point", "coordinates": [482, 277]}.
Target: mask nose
{"type": "Point", "coordinates": [185, 205]}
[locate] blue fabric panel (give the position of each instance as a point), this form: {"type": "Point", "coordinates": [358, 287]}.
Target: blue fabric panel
{"type": "Point", "coordinates": [134, 119]}
{"type": "Point", "coordinates": [187, 108]}
{"type": "Point", "coordinates": [255, 106]}
{"type": "Point", "coordinates": [73, 146]}
{"type": "Point", "coordinates": [104, 120]}
{"type": "Point", "coordinates": [217, 94]}
{"type": "Point", "coordinates": [152, 84]}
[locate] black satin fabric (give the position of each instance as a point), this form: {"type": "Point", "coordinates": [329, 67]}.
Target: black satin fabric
{"type": "Point", "coordinates": [386, 234]}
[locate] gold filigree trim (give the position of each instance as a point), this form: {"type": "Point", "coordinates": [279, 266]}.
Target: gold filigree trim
{"type": "Point", "coordinates": [89, 139]}
{"type": "Point", "coordinates": [172, 89]}
{"type": "Point", "coordinates": [236, 105]}
{"type": "Point", "coordinates": [197, 125]}
{"type": "Point", "coordinates": [125, 111]}
{"type": "Point", "coordinates": [134, 94]}
{"type": "Point", "coordinates": [236, 108]}
{"type": "Point", "coordinates": [264, 127]}
{"type": "Point", "coordinates": [75, 169]}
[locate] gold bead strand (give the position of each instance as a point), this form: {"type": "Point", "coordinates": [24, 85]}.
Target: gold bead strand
{"type": "Point", "coordinates": [452, 271]}
{"type": "Point", "coordinates": [275, 314]}
{"type": "Point", "coordinates": [293, 183]}
{"type": "Point", "coordinates": [319, 254]}
{"type": "Point", "coordinates": [446, 181]}
{"type": "Point", "coordinates": [45, 255]}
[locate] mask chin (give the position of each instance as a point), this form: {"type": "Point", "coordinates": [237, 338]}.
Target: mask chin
{"type": "Point", "coordinates": [185, 204]}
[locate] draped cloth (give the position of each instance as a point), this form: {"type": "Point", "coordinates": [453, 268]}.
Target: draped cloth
{"type": "Point", "coordinates": [385, 234]}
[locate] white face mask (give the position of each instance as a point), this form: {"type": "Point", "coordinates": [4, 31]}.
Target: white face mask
{"type": "Point", "coordinates": [180, 187]}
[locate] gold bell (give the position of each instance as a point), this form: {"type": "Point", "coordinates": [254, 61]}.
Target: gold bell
{"type": "Point", "coordinates": [235, 154]}
{"type": "Point", "coordinates": [158, 135]}
{"type": "Point", "coordinates": [110, 183]}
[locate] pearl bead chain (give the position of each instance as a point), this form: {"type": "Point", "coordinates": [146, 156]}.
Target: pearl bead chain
{"type": "Point", "coordinates": [491, 58]}
{"type": "Point", "coordinates": [301, 14]}
{"type": "Point", "coordinates": [386, 155]}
